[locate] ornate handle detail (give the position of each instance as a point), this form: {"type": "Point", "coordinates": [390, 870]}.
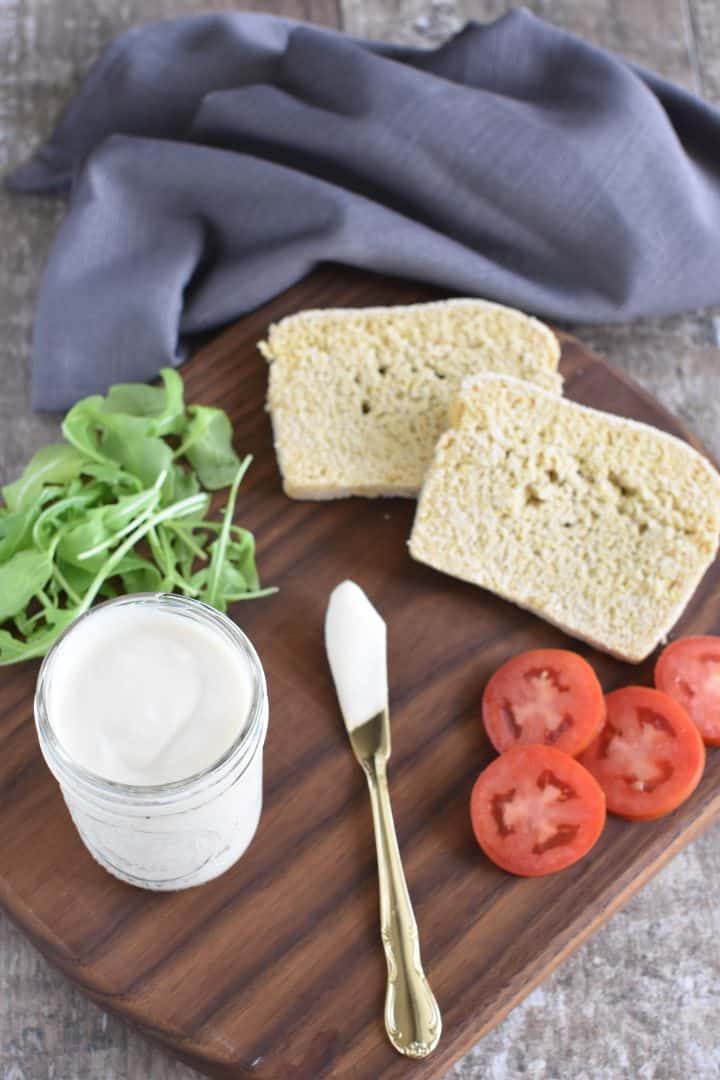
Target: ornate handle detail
{"type": "Point", "coordinates": [412, 1016]}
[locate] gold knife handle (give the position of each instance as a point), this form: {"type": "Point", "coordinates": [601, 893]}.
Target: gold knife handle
{"type": "Point", "coordinates": [412, 1016]}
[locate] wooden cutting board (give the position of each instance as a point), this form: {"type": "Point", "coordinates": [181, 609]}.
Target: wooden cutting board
{"type": "Point", "coordinates": [275, 970]}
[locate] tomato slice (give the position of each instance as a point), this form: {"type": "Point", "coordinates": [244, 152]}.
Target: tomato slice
{"type": "Point", "coordinates": [546, 696]}
{"type": "Point", "coordinates": [689, 671]}
{"type": "Point", "coordinates": [535, 810]}
{"type": "Point", "coordinates": [649, 755]}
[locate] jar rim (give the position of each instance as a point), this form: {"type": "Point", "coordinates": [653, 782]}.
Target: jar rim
{"type": "Point", "coordinates": [236, 756]}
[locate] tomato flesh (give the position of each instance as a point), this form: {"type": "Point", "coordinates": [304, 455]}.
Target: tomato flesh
{"type": "Point", "coordinates": [535, 810]}
{"type": "Point", "coordinates": [689, 671]}
{"type": "Point", "coordinates": [550, 697]}
{"type": "Point", "coordinates": [649, 756]}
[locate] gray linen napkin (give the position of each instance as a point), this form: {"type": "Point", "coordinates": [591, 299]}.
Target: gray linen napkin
{"type": "Point", "coordinates": [214, 160]}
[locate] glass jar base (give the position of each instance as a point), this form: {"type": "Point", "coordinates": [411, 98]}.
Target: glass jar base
{"type": "Point", "coordinates": [213, 867]}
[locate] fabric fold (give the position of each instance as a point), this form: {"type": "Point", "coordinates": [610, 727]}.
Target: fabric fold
{"type": "Point", "coordinates": [212, 161]}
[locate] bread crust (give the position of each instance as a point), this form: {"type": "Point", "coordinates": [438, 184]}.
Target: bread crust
{"type": "Point", "coordinates": [358, 397]}
{"type": "Point", "coordinates": [600, 525]}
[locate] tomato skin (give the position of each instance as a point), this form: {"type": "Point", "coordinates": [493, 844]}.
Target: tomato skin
{"type": "Point", "coordinates": [548, 697]}
{"type": "Point", "coordinates": [535, 810]}
{"type": "Point", "coordinates": [649, 757]}
{"type": "Point", "coordinates": [689, 671]}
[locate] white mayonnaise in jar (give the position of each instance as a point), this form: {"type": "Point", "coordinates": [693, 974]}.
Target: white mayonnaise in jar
{"type": "Point", "coordinates": [151, 712]}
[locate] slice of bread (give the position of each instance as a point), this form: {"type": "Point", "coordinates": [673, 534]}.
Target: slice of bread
{"type": "Point", "coordinates": [359, 397]}
{"type": "Point", "coordinates": [600, 525]}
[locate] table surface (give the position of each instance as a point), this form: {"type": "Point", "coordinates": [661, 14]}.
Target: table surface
{"type": "Point", "coordinates": [637, 1002]}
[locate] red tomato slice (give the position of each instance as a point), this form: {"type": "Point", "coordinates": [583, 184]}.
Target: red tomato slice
{"type": "Point", "coordinates": [689, 671]}
{"type": "Point", "coordinates": [545, 696]}
{"type": "Point", "coordinates": [535, 810]}
{"type": "Point", "coordinates": [648, 757]}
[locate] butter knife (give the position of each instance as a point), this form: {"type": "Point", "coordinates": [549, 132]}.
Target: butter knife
{"type": "Point", "coordinates": [356, 644]}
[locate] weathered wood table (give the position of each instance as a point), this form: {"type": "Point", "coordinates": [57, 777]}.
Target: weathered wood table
{"type": "Point", "coordinates": [639, 1001]}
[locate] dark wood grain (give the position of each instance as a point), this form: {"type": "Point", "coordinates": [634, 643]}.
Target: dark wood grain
{"type": "Point", "coordinates": [275, 970]}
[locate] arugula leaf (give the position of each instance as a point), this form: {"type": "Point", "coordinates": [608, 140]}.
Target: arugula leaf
{"type": "Point", "coordinates": [26, 623]}
{"type": "Point", "coordinates": [55, 517]}
{"type": "Point", "coordinates": [73, 580]}
{"type": "Point", "coordinates": [208, 446]}
{"type": "Point", "coordinates": [57, 463]}
{"type": "Point", "coordinates": [119, 508]}
{"type": "Point", "coordinates": [162, 407]}
{"type": "Point", "coordinates": [187, 506]}
{"type": "Point", "coordinates": [21, 578]}
{"type": "Point", "coordinates": [238, 577]}
{"type": "Point", "coordinates": [117, 480]}
{"type": "Point", "coordinates": [89, 533]}
{"type": "Point", "coordinates": [138, 574]}
{"type": "Point", "coordinates": [16, 530]}
{"type": "Point", "coordinates": [241, 555]}
{"type": "Point", "coordinates": [13, 650]}
{"type": "Point", "coordinates": [80, 427]}
{"type": "Point", "coordinates": [145, 457]}
{"type": "Point", "coordinates": [103, 526]}
{"type": "Point", "coordinates": [179, 483]}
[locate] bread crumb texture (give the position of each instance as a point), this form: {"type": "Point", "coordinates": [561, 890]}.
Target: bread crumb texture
{"type": "Point", "coordinates": [601, 525]}
{"type": "Point", "coordinates": [359, 397]}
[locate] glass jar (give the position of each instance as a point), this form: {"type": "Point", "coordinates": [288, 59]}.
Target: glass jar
{"type": "Point", "coordinates": [166, 836]}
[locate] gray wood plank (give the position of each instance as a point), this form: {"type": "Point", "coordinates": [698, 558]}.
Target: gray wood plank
{"type": "Point", "coordinates": [651, 32]}
{"type": "Point", "coordinates": [49, 1031]}
{"type": "Point", "coordinates": [704, 19]}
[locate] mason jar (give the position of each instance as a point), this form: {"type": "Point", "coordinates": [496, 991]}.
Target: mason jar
{"type": "Point", "coordinates": [172, 835]}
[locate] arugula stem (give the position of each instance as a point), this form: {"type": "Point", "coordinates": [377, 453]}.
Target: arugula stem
{"type": "Point", "coordinates": [163, 556]}
{"type": "Point", "coordinates": [53, 510]}
{"type": "Point", "coordinates": [158, 554]}
{"type": "Point", "coordinates": [44, 600]}
{"type": "Point", "coordinates": [179, 509]}
{"type": "Point", "coordinates": [188, 541]}
{"type": "Point", "coordinates": [65, 584]}
{"type": "Point", "coordinates": [108, 543]}
{"type": "Point", "coordinates": [148, 509]}
{"type": "Point", "coordinates": [218, 555]}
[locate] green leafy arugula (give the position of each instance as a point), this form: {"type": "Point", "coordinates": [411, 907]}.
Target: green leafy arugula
{"type": "Point", "coordinates": [121, 507]}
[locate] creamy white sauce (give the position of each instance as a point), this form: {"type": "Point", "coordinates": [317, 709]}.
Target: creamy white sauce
{"type": "Point", "coordinates": [356, 645]}
{"type": "Point", "coordinates": [145, 696]}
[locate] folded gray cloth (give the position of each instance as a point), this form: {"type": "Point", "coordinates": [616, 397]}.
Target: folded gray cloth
{"type": "Point", "coordinates": [215, 160]}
